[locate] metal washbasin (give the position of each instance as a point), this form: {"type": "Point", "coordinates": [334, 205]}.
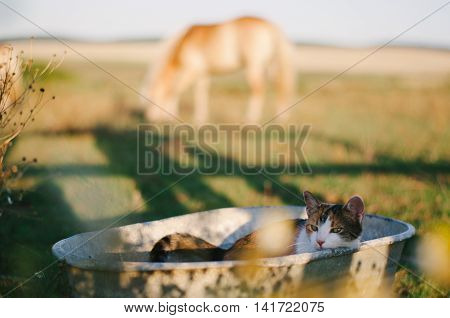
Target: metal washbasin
{"type": "Point", "coordinates": [114, 262]}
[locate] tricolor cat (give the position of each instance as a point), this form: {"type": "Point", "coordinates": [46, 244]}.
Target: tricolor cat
{"type": "Point", "coordinates": [327, 226]}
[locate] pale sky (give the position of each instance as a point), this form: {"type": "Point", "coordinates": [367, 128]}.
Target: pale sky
{"type": "Point", "coordinates": [343, 22]}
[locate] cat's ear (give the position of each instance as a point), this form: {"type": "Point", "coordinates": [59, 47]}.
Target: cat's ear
{"type": "Point", "coordinates": [312, 204]}
{"type": "Point", "coordinates": [356, 206]}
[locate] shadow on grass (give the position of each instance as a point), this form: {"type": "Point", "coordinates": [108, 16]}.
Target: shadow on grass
{"type": "Point", "coordinates": [27, 233]}
{"type": "Point", "coordinates": [126, 149]}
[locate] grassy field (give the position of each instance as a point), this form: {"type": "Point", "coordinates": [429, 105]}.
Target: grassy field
{"type": "Point", "coordinates": [383, 136]}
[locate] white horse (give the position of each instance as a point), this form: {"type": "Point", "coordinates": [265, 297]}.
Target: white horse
{"type": "Point", "coordinates": [247, 43]}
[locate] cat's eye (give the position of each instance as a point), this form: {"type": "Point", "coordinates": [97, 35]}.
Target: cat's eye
{"type": "Point", "coordinates": [313, 228]}
{"type": "Point", "coordinates": [336, 230]}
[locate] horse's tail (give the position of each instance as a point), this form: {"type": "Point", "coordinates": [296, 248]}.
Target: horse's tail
{"type": "Point", "coordinates": [285, 75]}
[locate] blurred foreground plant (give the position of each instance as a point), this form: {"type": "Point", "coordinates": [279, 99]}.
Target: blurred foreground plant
{"type": "Point", "coordinates": [434, 254]}
{"type": "Point", "coordinates": [21, 98]}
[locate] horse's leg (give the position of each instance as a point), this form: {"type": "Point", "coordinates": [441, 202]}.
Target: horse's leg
{"type": "Point", "coordinates": [201, 100]}
{"type": "Point", "coordinates": [256, 81]}
{"type": "Point", "coordinates": [282, 100]}
{"type": "Point", "coordinates": [186, 77]}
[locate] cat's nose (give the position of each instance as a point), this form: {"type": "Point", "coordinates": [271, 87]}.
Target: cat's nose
{"type": "Point", "coordinates": [320, 243]}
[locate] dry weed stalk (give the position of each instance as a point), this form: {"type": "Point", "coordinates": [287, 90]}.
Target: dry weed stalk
{"type": "Point", "coordinates": [20, 100]}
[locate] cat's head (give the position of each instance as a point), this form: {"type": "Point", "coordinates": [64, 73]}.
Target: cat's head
{"type": "Point", "coordinates": [334, 225]}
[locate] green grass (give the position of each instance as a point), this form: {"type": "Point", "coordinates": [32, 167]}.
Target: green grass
{"type": "Point", "coordinates": [383, 137]}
